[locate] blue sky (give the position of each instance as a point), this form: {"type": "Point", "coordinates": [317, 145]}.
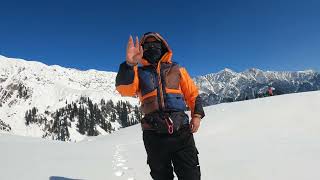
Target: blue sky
{"type": "Point", "coordinates": [206, 36]}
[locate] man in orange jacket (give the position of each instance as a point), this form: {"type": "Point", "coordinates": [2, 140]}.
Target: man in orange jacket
{"type": "Point", "coordinates": [165, 90]}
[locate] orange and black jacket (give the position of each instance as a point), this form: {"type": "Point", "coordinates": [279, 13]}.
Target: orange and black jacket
{"type": "Point", "coordinates": [165, 87]}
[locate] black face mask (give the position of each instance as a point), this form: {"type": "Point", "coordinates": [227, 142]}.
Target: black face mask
{"type": "Point", "coordinates": [152, 55]}
{"type": "Point", "coordinates": [153, 52]}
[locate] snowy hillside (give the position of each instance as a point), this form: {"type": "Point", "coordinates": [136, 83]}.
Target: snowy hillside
{"type": "Point", "coordinates": [274, 138]}
{"type": "Point", "coordinates": [54, 102]}
{"type": "Point", "coordinates": [229, 86]}
{"type": "Point", "coordinates": [28, 84]}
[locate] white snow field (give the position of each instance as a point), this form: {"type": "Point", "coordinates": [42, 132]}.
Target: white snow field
{"type": "Point", "coordinates": [275, 138]}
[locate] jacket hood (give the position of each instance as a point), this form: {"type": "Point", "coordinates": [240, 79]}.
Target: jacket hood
{"type": "Point", "coordinates": [166, 57]}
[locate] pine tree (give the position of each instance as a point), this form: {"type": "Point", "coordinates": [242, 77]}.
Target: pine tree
{"type": "Point", "coordinates": [56, 123]}
{"type": "Point", "coordinates": [113, 117]}
{"type": "Point", "coordinates": [28, 117]}
{"type": "Point", "coordinates": [34, 112]}
{"type": "Point", "coordinates": [64, 132]}
{"type": "Point", "coordinates": [109, 127]}
{"type": "Point", "coordinates": [81, 121]}
{"type": "Point", "coordinates": [137, 113]}
{"type": "Point", "coordinates": [124, 115]}
{"type": "Point", "coordinates": [102, 102]}
{"type": "Point", "coordinates": [109, 106]}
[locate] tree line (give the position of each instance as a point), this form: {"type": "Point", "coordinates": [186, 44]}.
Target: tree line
{"type": "Point", "coordinates": [86, 116]}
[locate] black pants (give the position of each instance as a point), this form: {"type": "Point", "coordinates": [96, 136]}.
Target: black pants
{"type": "Point", "coordinates": [165, 150]}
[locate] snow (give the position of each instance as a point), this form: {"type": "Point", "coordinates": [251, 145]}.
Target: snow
{"type": "Point", "coordinates": [274, 138]}
{"type": "Point", "coordinates": [50, 87]}
{"type": "Point", "coordinates": [228, 83]}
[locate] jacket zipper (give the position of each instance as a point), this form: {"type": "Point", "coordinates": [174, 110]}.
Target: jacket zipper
{"type": "Point", "coordinates": [161, 105]}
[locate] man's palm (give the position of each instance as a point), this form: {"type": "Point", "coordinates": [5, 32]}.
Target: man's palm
{"type": "Point", "coordinates": [134, 52]}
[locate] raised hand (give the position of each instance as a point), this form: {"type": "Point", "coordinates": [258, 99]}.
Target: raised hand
{"type": "Point", "coordinates": [134, 52]}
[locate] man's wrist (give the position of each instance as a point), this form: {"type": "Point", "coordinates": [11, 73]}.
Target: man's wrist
{"type": "Point", "coordinates": [129, 64]}
{"type": "Point", "coordinates": [197, 115]}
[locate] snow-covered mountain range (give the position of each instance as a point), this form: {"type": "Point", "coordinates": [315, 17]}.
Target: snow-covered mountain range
{"type": "Point", "coordinates": [229, 86]}
{"type": "Point", "coordinates": [28, 84]}
{"type": "Point", "coordinates": [68, 104]}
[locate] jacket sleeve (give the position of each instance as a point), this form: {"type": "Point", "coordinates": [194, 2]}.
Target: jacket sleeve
{"type": "Point", "coordinates": [191, 93]}
{"type": "Point", "coordinates": [127, 81]}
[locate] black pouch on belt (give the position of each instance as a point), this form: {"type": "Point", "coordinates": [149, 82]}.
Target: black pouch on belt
{"type": "Point", "coordinates": [165, 122]}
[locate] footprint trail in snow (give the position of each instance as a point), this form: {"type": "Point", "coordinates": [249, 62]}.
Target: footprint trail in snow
{"type": "Point", "coordinates": [119, 164]}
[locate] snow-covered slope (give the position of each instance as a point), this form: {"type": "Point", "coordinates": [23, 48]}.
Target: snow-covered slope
{"type": "Point", "coordinates": [28, 84]}
{"type": "Point", "coordinates": [228, 86]}
{"type": "Point", "coordinates": [274, 138]}
{"type": "Point", "coordinates": [47, 101]}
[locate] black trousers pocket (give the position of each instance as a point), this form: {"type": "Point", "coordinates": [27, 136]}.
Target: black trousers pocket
{"type": "Point", "coordinates": [186, 161]}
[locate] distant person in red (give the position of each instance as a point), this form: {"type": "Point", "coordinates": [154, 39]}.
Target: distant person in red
{"type": "Point", "coordinates": [270, 91]}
